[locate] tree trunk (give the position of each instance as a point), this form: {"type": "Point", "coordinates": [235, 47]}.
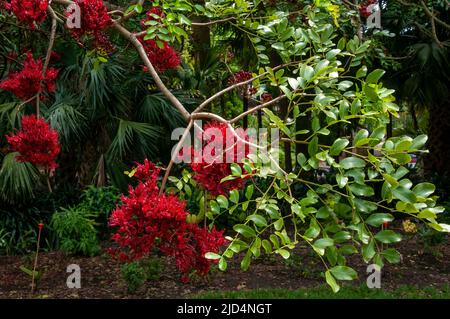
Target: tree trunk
{"type": "Point", "coordinates": [201, 39]}
{"type": "Point", "coordinates": [438, 160]}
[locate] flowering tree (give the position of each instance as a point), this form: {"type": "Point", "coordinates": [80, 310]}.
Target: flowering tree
{"type": "Point", "coordinates": [310, 83]}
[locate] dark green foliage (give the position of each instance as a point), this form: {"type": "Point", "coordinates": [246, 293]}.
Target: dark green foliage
{"type": "Point", "coordinates": [134, 275]}
{"type": "Point", "coordinates": [99, 201]}
{"type": "Point", "coordinates": [19, 222]}
{"type": "Point", "coordinates": [75, 231]}
{"type": "Point", "coordinates": [137, 273]}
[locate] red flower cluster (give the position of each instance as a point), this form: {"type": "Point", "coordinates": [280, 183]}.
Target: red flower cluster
{"type": "Point", "coordinates": [242, 76]}
{"type": "Point", "coordinates": [36, 142]}
{"type": "Point", "coordinates": [148, 220]}
{"type": "Point", "coordinates": [163, 59]}
{"type": "Point", "coordinates": [30, 81]}
{"type": "Point", "coordinates": [364, 8]}
{"type": "Point", "coordinates": [210, 168]}
{"type": "Point", "coordinates": [94, 19]}
{"type": "Point", "coordinates": [30, 12]}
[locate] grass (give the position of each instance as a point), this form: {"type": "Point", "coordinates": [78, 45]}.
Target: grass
{"type": "Point", "coordinates": [324, 292]}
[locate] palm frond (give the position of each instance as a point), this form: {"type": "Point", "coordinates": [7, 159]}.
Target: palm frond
{"type": "Point", "coordinates": [129, 134]}
{"type": "Point", "coordinates": [65, 117]}
{"type": "Point", "coordinates": [10, 116]}
{"type": "Point", "coordinates": [17, 180]}
{"type": "Point", "coordinates": [155, 108]}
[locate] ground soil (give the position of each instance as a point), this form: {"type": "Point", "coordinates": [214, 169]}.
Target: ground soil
{"type": "Point", "coordinates": [101, 276]}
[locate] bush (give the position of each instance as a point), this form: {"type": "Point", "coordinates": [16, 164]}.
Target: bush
{"type": "Point", "coordinates": [99, 201]}
{"type": "Point", "coordinates": [152, 267]}
{"type": "Point", "coordinates": [134, 275]}
{"type": "Point", "coordinates": [137, 273]}
{"type": "Point", "coordinates": [76, 232]}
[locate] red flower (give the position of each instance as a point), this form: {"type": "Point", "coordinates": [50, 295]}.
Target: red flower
{"type": "Point", "coordinates": [40, 225]}
{"type": "Point", "coordinates": [30, 81]}
{"type": "Point", "coordinates": [36, 142]}
{"type": "Point", "coordinates": [145, 216]}
{"type": "Point", "coordinates": [164, 58]}
{"type": "Point", "coordinates": [242, 76]}
{"type": "Point", "coordinates": [239, 77]}
{"type": "Point", "coordinates": [94, 19]}
{"type": "Point", "coordinates": [30, 12]}
{"type": "Point", "coordinates": [210, 169]}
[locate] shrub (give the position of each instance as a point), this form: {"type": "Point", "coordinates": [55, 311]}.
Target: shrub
{"type": "Point", "coordinates": [76, 232]}
{"type": "Point", "coordinates": [99, 201]}
{"type": "Point", "coordinates": [134, 275]}
{"type": "Point", "coordinates": [152, 267]}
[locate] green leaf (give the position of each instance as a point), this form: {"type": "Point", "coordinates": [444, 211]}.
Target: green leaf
{"type": "Point", "coordinates": [374, 76]}
{"type": "Point", "coordinates": [341, 180]}
{"type": "Point", "coordinates": [331, 281]}
{"type": "Point", "coordinates": [212, 256]}
{"type": "Point", "coordinates": [362, 134]}
{"type": "Point", "coordinates": [323, 242]}
{"type": "Point", "coordinates": [308, 73]}
{"type": "Point", "coordinates": [343, 273]}
{"type": "Point", "coordinates": [184, 20]}
{"type": "Point", "coordinates": [245, 263]}
{"type": "Point", "coordinates": [378, 219]}
{"type": "Point", "coordinates": [278, 46]}
{"type": "Point", "coordinates": [312, 232]}
{"type": "Point", "coordinates": [388, 236]}
{"type": "Point", "coordinates": [368, 251]}
{"type": "Point", "coordinates": [361, 72]}
{"type": "Point", "coordinates": [284, 253]}
{"type": "Point", "coordinates": [313, 146]}
{"type": "Point", "coordinates": [215, 208]}
{"type": "Point", "coordinates": [234, 196]}
{"type": "Point", "coordinates": [222, 264]}
{"type": "Point", "coordinates": [344, 85]}
{"type": "Point", "coordinates": [391, 255]}
{"type": "Point", "coordinates": [361, 190]}
{"type": "Point", "coordinates": [338, 146]}
{"type": "Point", "coordinates": [258, 220]}
{"type": "Point", "coordinates": [244, 230]}
{"type": "Point", "coordinates": [418, 142]}
{"type": "Point", "coordinates": [236, 169]}
{"type": "Point", "coordinates": [424, 189]}
{"type": "Point", "coordinates": [404, 194]}
{"type": "Point", "coordinates": [267, 246]}
{"type": "Point", "coordinates": [249, 191]}
{"type": "Point", "coordinates": [352, 162]}
{"type": "Point", "coordinates": [223, 201]}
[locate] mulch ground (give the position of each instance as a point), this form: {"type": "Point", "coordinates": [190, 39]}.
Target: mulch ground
{"type": "Point", "coordinates": [101, 276]}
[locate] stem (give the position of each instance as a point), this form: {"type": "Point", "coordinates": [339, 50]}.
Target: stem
{"type": "Point", "coordinates": [47, 58]}
{"type": "Point", "coordinates": [175, 153]}
{"type": "Point", "coordinates": [35, 260]}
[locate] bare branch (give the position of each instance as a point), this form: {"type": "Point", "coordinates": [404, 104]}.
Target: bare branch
{"type": "Point", "coordinates": [175, 153]}
{"type": "Point", "coordinates": [234, 86]}
{"type": "Point", "coordinates": [256, 108]}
